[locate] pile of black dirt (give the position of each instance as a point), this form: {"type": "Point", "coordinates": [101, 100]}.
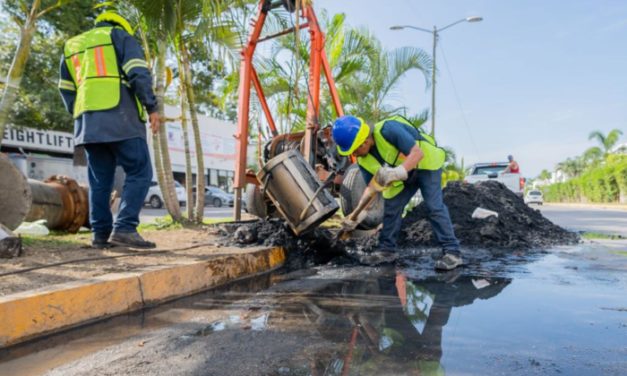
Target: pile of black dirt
{"type": "Point", "coordinates": [517, 226]}
{"type": "Point", "coordinates": [307, 250]}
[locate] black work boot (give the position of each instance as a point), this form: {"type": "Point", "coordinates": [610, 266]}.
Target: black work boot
{"type": "Point", "coordinates": [100, 241]}
{"type": "Point", "coordinates": [131, 240]}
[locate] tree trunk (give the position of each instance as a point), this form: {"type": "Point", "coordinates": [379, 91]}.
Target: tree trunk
{"type": "Point", "coordinates": [188, 158]}
{"type": "Point", "coordinates": [14, 77]}
{"type": "Point", "coordinates": [166, 181]}
{"type": "Point", "coordinates": [200, 173]}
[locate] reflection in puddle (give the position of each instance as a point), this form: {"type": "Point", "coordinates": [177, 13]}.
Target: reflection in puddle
{"type": "Point", "coordinates": [559, 313]}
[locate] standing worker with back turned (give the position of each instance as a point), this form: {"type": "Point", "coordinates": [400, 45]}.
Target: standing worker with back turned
{"type": "Point", "coordinates": [105, 84]}
{"type": "Point", "coordinates": [402, 159]}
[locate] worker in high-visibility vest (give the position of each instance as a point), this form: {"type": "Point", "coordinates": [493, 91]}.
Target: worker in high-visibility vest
{"type": "Point", "coordinates": [107, 87]}
{"type": "Point", "coordinates": [402, 159]}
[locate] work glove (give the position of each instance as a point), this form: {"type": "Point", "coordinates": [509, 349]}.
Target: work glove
{"type": "Point", "coordinates": [387, 175]}
{"type": "Point", "coordinates": [350, 225]}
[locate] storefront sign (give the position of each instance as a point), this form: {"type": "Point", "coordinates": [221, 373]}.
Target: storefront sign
{"type": "Point", "coordinates": [35, 139]}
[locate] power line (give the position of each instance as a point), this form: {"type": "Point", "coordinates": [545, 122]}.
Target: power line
{"type": "Point", "coordinates": [459, 102]}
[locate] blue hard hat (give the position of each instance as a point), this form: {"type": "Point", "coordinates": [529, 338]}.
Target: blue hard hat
{"type": "Point", "coordinates": [349, 132]}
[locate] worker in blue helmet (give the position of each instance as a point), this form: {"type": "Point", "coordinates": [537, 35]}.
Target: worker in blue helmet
{"type": "Point", "coordinates": [400, 159]}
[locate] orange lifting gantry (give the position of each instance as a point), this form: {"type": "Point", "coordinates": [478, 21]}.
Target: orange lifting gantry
{"type": "Point", "coordinates": [318, 63]}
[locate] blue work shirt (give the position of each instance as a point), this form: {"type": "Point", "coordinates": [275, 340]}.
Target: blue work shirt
{"type": "Point", "coordinates": [121, 122]}
{"type": "Point", "coordinates": [401, 135]}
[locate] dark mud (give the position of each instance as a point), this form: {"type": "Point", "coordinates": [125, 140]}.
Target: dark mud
{"type": "Point", "coordinates": [517, 226]}
{"type": "Point", "coordinates": [313, 248]}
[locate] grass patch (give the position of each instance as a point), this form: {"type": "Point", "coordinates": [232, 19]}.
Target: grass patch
{"type": "Point", "coordinates": [160, 223]}
{"type": "Point", "coordinates": [56, 239]}
{"type": "Point", "coordinates": [213, 221]}
{"type": "Point", "coordinates": [599, 235]}
{"type": "Point", "coordinates": [166, 223]}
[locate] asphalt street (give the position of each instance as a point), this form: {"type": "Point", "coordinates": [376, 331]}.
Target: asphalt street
{"type": "Point", "coordinates": [149, 215]}
{"type": "Point", "coordinates": [562, 311]}
{"type": "Point", "coordinates": [584, 218]}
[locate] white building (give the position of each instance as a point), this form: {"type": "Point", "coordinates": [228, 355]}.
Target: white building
{"type": "Point", "coordinates": [40, 154]}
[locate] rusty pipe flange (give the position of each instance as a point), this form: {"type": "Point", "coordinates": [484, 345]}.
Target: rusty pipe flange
{"type": "Point", "coordinates": [75, 202]}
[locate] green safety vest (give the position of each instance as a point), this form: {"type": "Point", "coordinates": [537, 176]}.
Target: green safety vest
{"type": "Point", "coordinates": [92, 63]}
{"type": "Point", "coordinates": [433, 159]}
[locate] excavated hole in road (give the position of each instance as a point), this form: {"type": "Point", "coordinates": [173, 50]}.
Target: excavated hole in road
{"type": "Point", "coordinates": [517, 228]}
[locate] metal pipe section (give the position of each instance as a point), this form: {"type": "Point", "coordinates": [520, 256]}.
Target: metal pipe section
{"type": "Point", "coordinates": [60, 200]}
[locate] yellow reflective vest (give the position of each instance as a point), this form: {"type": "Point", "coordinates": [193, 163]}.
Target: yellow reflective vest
{"type": "Point", "coordinates": [93, 65]}
{"type": "Point", "coordinates": [433, 159]}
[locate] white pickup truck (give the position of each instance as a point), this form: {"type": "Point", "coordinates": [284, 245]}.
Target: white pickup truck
{"type": "Point", "coordinates": [494, 171]}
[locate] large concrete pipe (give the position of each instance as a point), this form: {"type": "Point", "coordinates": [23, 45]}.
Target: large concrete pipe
{"type": "Point", "coordinates": [15, 194]}
{"type": "Point", "coordinates": [59, 200]}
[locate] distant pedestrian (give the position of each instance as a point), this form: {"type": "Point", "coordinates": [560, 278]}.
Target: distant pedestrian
{"type": "Point", "coordinates": [512, 167]}
{"type": "Point", "coordinates": [105, 84]}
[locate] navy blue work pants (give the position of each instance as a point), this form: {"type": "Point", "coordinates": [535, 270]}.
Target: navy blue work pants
{"type": "Point", "coordinates": [430, 185]}
{"type": "Point", "coordinates": [102, 158]}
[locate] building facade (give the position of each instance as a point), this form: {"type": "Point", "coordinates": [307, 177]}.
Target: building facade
{"type": "Point", "coordinates": [40, 154]}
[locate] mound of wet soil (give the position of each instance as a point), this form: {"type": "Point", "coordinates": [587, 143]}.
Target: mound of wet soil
{"type": "Point", "coordinates": [517, 226]}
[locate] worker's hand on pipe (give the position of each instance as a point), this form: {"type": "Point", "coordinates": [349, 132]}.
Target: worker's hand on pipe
{"type": "Point", "coordinates": [387, 175]}
{"type": "Point", "coordinates": [349, 224]}
{"type": "Point", "coordinates": [155, 122]}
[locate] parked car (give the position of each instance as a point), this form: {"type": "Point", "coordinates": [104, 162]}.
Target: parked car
{"type": "Point", "coordinates": [494, 171]}
{"type": "Point", "coordinates": [534, 197]}
{"type": "Point", "coordinates": [154, 198]}
{"type": "Point", "coordinates": [217, 197]}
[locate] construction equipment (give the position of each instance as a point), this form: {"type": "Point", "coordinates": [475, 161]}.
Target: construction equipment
{"type": "Point", "coordinates": [315, 143]}
{"type": "Point", "coordinates": [60, 200]}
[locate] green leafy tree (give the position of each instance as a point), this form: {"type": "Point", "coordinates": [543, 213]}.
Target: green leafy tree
{"type": "Point", "coordinates": [25, 14]}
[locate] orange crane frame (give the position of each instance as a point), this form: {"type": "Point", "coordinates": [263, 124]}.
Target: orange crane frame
{"type": "Point", "coordinates": [319, 63]}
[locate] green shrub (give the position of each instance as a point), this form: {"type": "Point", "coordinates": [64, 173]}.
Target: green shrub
{"type": "Point", "coordinates": [605, 182]}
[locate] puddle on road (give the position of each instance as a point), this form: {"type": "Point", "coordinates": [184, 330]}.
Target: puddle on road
{"type": "Point", "coordinates": [561, 313]}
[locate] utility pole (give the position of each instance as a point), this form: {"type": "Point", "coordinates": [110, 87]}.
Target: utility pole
{"type": "Point", "coordinates": [435, 33]}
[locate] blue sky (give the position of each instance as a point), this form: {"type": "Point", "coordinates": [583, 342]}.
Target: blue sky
{"type": "Point", "coordinates": [533, 78]}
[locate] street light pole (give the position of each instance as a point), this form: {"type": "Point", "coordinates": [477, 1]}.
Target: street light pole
{"type": "Point", "coordinates": [435, 41]}
{"type": "Point", "coordinates": [435, 33]}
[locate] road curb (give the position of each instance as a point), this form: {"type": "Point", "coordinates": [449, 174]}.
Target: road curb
{"type": "Point", "coordinates": [32, 314]}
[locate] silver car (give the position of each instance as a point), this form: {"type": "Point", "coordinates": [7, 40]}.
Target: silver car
{"type": "Point", "coordinates": [534, 197]}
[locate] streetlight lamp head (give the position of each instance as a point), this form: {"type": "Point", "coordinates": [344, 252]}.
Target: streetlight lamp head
{"type": "Point", "coordinates": [396, 27]}
{"type": "Point", "coordinates": [474, 18]}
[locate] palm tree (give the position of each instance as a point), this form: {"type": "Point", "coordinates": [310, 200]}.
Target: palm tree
{"type": "Point", "coordinates": [572, 167]}
{"type": "Point", "coordinates": [365, 74]}
{"type": "Point", "coordinates": [544, 175]}
{"type": "Point", "coordinates": [27, 22]}
{"type": "Point", "coordinates": [592, 156]}
{"type": "Point", "coordinates": [606, 142]}
{"type": "Point", "coordinates": [156, 19]}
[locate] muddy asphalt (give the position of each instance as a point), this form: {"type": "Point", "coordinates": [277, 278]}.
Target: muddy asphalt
{"type": "Point", "coordinates": [532, 302]}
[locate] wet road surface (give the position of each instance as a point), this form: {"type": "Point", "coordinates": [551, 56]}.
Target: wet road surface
{"type": "Point", "coordinates": [610, 221]}
{"type": "Point", "coordinates": [561, 312]}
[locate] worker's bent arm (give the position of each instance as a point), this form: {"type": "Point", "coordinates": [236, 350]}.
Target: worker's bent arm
{"type": "Point", "coordinates": [414, 157]}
